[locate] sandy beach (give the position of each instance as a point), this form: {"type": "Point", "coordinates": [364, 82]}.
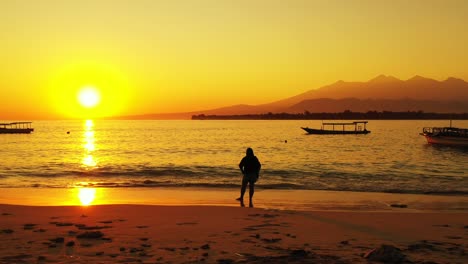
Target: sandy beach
{"type": "Point", "coordinates": [118, 233]}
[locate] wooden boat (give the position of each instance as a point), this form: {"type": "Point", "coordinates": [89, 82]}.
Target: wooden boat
{"type": "Point", "coordinates": [16, 128]}
{"type": "Point", "coordinates": [357, 127]}
{"type": "Point", "coordinates": [446, 135]}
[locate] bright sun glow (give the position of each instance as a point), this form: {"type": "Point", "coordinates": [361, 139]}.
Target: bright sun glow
{"type": "Point", "coordinates": [86, 195]}
{"type": "Point", "coordinates": [88, 96]}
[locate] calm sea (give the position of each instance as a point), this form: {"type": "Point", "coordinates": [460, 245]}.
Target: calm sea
{"type": "Point", "coordinates": [104, 153]}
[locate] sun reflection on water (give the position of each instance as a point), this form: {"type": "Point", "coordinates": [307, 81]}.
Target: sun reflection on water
{"type": "Point", "coordinates": [86, 195]}
{"type": "Point", "coordinates": [88, 137]}
{"type": "Point", "coordinates": [89, 161]}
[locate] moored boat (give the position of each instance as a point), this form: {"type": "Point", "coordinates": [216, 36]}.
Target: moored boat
{"type": "Point", "coordinates": [357, 127]}
{"type": "Point", "coordinates": [446, 135]}
{"type": "Point", "coordinates": [16, 128]}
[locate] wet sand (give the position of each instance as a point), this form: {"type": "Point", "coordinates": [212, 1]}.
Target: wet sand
{"type": "Point", "coordinates": [302, 200]}
{"type": "Point", "coordinates": [116, 233]}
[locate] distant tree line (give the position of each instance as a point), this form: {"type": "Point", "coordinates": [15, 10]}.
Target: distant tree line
{"type": "Point", "coordinates": [346, 115]}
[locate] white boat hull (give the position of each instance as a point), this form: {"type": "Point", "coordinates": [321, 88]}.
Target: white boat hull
{"type": "Point", "coordinates": [446, 140]}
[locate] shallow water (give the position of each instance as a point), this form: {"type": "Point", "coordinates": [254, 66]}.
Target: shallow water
{"type": "Point", "coordinates": [392, 158]}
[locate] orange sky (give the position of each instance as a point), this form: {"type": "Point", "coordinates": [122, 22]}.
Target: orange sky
{"type": "Point", "coordinates": [169, 56]}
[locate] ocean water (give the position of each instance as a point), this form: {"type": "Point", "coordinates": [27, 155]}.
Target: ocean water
{"type": "Point", "coordinates": [153, 153]}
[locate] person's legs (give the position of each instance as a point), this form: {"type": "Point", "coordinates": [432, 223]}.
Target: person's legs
{"type": "Point", "coordinates": [251, 192]}
{"type": "Point", "coordinates": [243, 187]}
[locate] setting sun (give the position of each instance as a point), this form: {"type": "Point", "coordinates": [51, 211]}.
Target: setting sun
{"type": "Point", "coordinates": [88, 96]}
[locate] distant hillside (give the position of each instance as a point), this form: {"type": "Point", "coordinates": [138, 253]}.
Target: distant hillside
{"type": "Point", "coordinates": [365, 105]}
{"type": "Point", "coordinates": [387, 87]}
{"type": "Point", "coordinates": [382, 93]}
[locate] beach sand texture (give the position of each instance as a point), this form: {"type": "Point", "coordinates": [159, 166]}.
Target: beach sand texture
{"type": "Point", "coordinates": [220, 234]}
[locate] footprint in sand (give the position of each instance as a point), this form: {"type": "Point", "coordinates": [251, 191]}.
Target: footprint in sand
{"type": "Point", "coordinates": [271, 240]}
{"type": "Point", "coordinates": [454, 237]}
{"type": "Point", "coordinates": [205, 247]}
{"type": "Point", "coordinates": [187, 223]}
{"type": "Point", "coordinates": [70, 243]}
{"type": "Point", "coordinates": [61, 224]}
{"type": "Point", "coordinates": [91, 235]}
{"type": "Point", "coordinates": [21, 258]}
{"type": "Point", "coordinates": [57, 240]}
{"type": "Point", "coordinates": [264, 215]}
{"type": "Point", "coordinates": [6, 231]}
{"type": "Point", "coordinates": [85, 227]}
{"type": "Point", "coordinates": [134, 250]}
{"type": "Point", "coordinates": [441, 225]}
{"type": "Point", "coordinates": [29, 226]}
{"type": "Point", "coordinates": [225, 261]}
{"type": "Point", "coordinates": [344, 242]}
{"type": "Point", "coordinates": [247, 241]}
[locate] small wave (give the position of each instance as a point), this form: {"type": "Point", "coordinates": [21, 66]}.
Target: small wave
{"type": "Point", "coordinates": [229, 177]}
{"type": "Point", "coordinates": [150, 183]}
{"type": "Point", "coordinates": [236, 185]}
{"type": "Point", "coordinates": [128, 171]}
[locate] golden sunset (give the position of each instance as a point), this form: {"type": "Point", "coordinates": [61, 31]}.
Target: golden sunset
{"type": "Point", "coordinates": [222, 131]}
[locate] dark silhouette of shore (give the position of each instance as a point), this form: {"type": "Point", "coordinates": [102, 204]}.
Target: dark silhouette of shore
{"type": "Point", "coordinates": [346, 115]}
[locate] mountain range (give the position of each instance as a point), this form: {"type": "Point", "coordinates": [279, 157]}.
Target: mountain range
{"type": "Point", "coordinates": [382, 93]}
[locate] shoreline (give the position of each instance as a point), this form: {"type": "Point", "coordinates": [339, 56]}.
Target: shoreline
{"type": "Point", "coordinates": [296, 200]}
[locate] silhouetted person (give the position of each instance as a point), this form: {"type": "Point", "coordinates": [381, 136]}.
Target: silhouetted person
{"type": "Point", "coordinates": [250, 167]}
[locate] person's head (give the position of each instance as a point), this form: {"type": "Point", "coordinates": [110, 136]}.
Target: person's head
{"type": "Point", "coordinates": [249, 152]}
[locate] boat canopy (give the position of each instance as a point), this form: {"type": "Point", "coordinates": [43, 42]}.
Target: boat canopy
{"type": "Point", "coordinates": [349, 123]}
{"type": "Point", "coordinates": [16, 124]}
{"type": "Point", "coordinates": [445, 131]}
{"type": "Point", "coordinates": [356, 124]}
